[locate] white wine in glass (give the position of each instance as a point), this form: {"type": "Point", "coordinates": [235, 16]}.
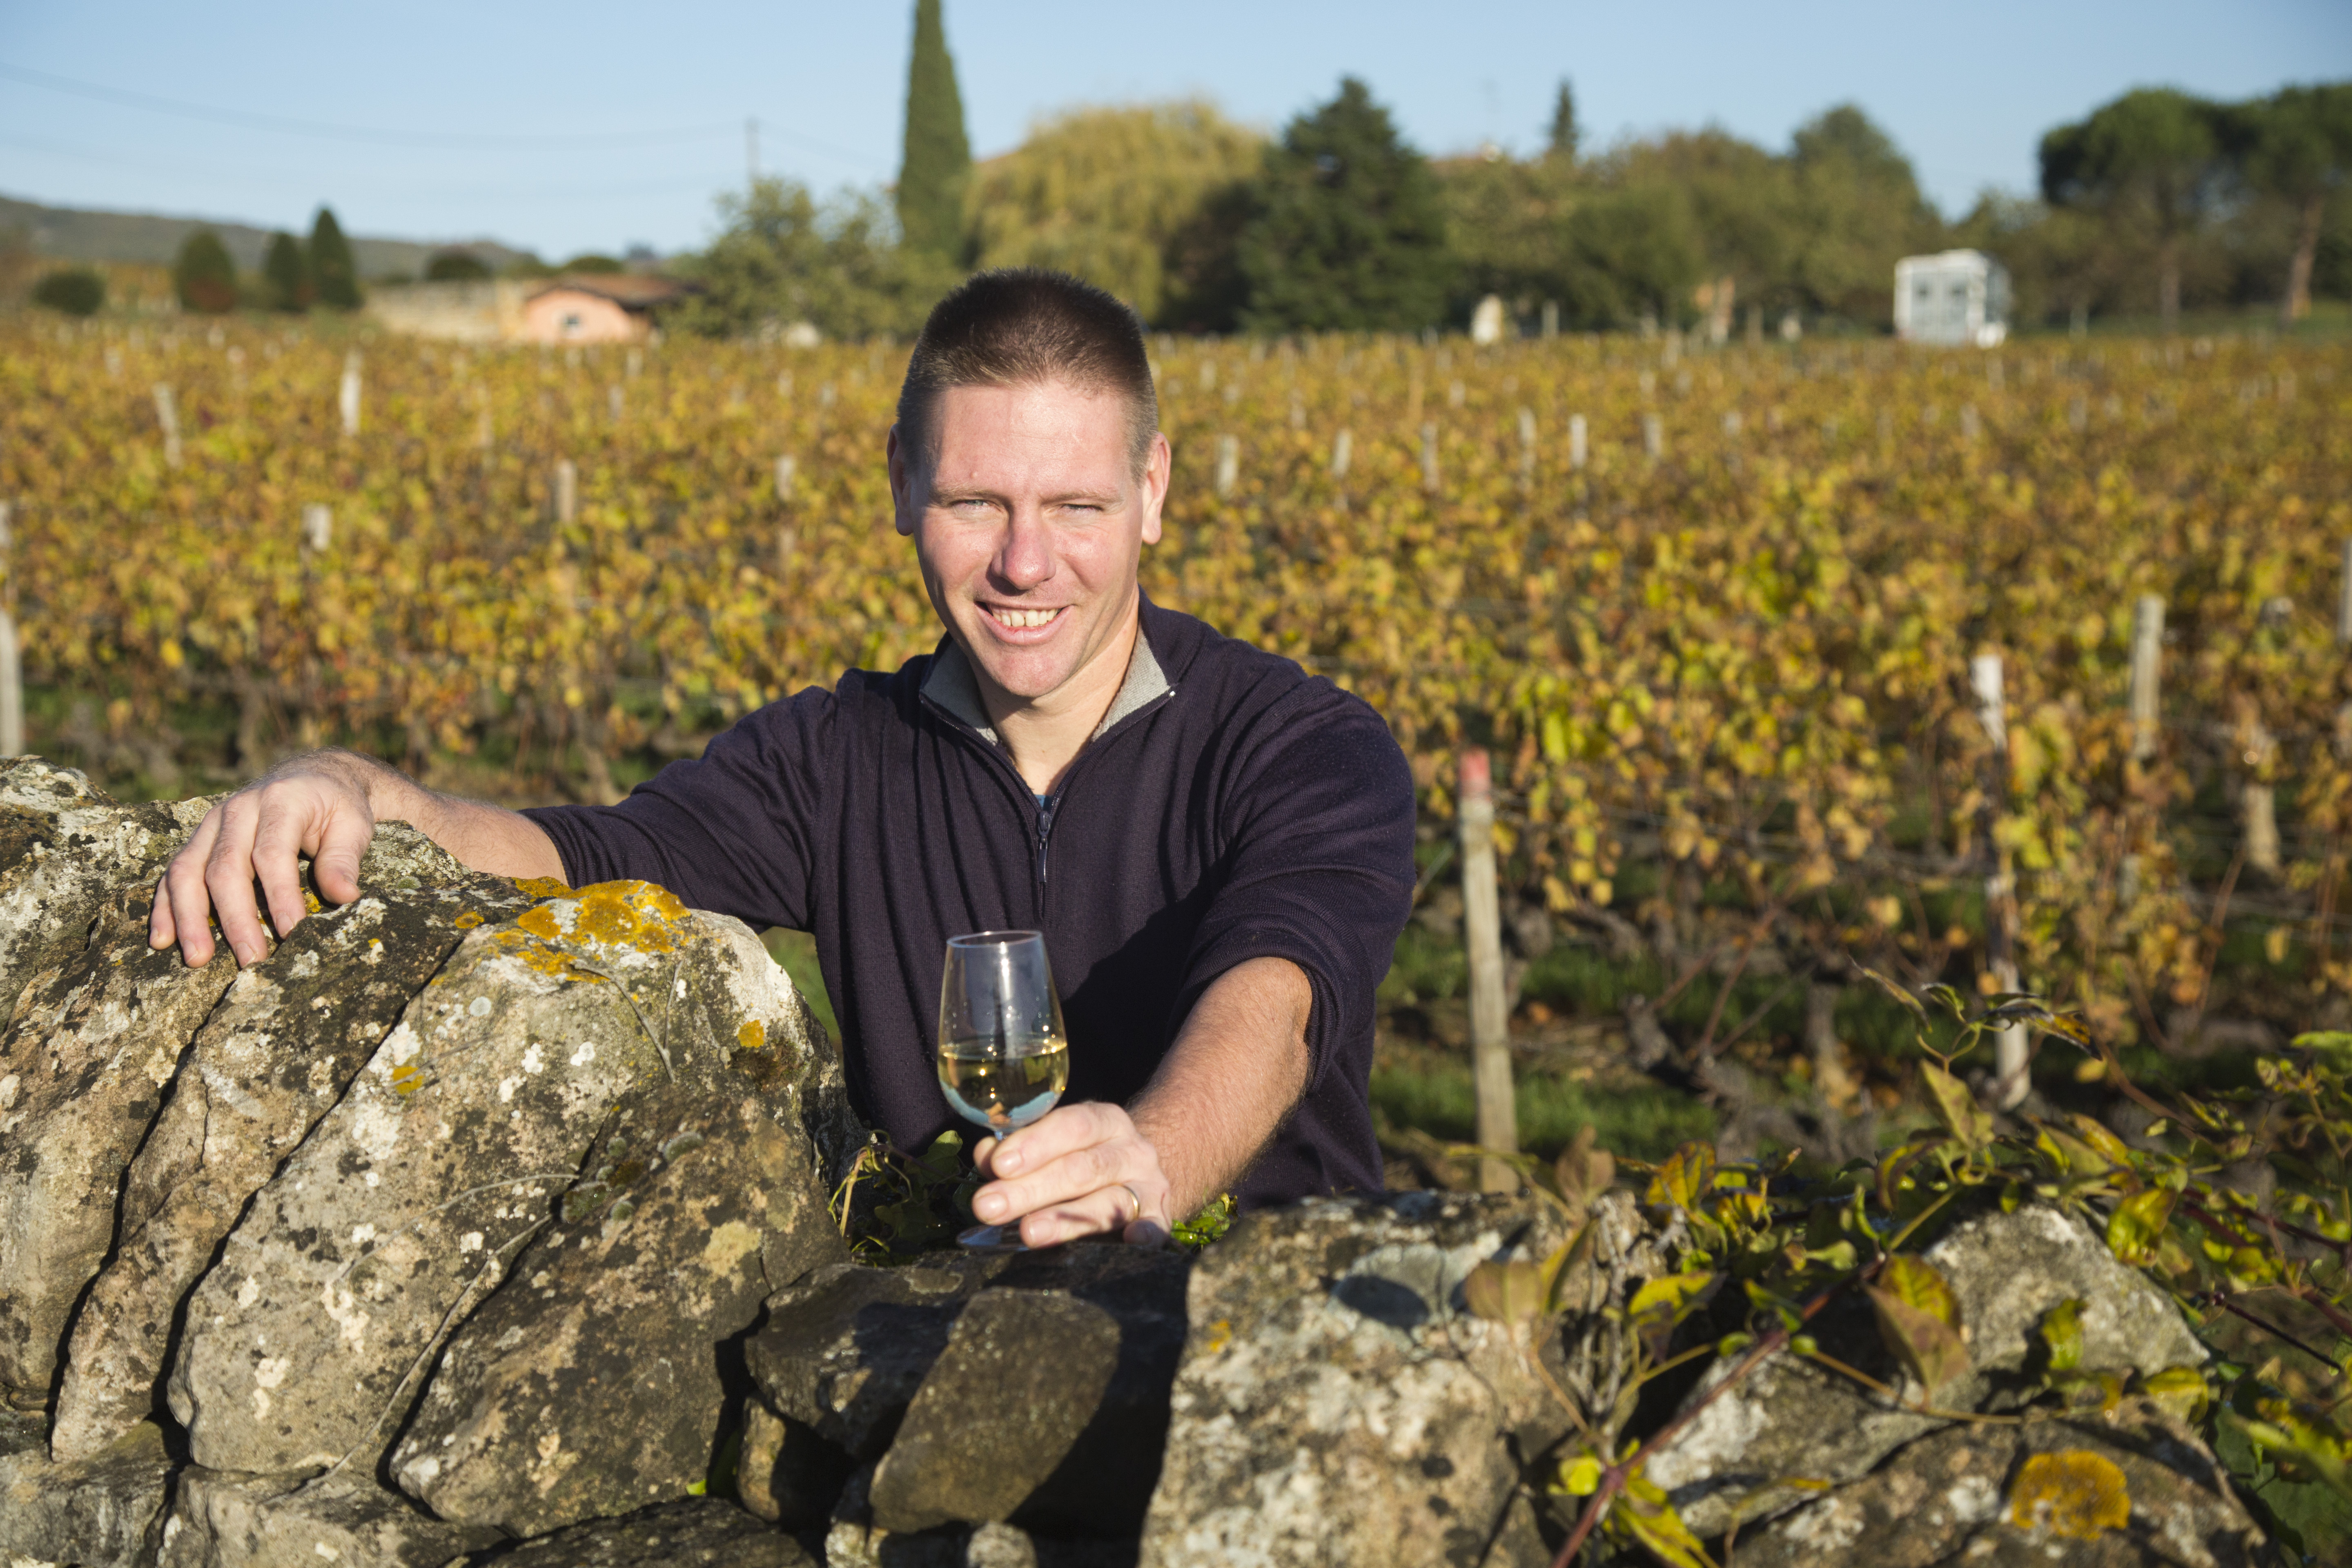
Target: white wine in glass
{"type": "Point", "coordinates": [1003, 1058]}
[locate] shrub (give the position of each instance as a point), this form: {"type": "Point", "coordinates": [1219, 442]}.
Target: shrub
{"type": "Point", "coordinates": [456, 267]}
{"type": "Point", "coordinates": [73, 290]}
{"type": "Point", "coordinates": [286, 274]}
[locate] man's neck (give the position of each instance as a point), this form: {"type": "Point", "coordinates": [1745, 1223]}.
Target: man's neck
{"type": "Point", "coordinates": [1045, 734]}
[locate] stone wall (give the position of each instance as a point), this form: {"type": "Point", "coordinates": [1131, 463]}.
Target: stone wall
{"type": "Point", "coordinates": [489, 311]}
{"type": "Point", "coordinates": [483, 1222]}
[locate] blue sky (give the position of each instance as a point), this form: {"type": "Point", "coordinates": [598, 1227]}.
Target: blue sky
{"type": "Point", "coordinates": [1965, 89]}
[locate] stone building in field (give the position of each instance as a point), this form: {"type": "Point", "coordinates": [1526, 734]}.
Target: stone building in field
{"type": "Point", "coordinates": [574, 308]}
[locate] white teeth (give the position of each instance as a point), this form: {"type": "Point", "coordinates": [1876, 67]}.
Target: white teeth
{"type": "Point", "coordinates": [1017, 619]}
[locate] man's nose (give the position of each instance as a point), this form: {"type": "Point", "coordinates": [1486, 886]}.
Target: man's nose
{"type": "Point", "coordinates": [1026, 557]}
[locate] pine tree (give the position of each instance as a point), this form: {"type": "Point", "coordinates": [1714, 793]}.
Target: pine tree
{"type": "Point", "coordinates": [205, 276]}
{"type": "Point", "coordinates": [288, 277]}
{"type": "Point", "coordinates": [1350, 236]}
{"type": "Point", "coordinates": [333, 274]}
{"type": "Point", "coordinates": [1565, 134]}
{"type": "Point", "coordinates": [937, 157]}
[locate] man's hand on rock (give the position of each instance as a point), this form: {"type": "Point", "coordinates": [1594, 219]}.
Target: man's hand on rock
{"type": "Point", "coordinates": [316, 806]}
{"type": "Point", "coordinates": [1080, 1170]}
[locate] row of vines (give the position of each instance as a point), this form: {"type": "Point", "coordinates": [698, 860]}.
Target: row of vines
{"type": "Point", "coordinates": [1714, 613]}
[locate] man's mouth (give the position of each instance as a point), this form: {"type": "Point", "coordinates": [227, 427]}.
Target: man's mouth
{"type": "Point", "coordinates": [1013, 620]}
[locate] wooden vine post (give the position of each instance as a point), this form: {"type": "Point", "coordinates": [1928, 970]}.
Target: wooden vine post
{"type": "Point", "coordinates": [1482, 921]}
{"type": "Point", "coordinates": [1999, 888]}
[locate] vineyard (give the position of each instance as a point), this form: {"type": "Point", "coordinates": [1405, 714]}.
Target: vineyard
{"type": "Point", "coordinates": [1720, 615]}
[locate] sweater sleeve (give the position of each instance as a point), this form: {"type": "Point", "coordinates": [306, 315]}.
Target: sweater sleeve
{"type": "Point", "coordinates": [1318, 868]}
{"type": "Point", "coordinates": [730, 831]}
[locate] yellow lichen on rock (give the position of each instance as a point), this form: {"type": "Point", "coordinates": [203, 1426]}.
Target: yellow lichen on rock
{"type": "Point", "coordinates": [752, 1035]}
{"type": "Point", "coordinates": [542, 887]}
{"type": "Point", "coordinates": [631, 914]}
{"type": "Point", "coordinates": [468, 920]}
{"type": "Point", "coordinates": [2073, 1493]}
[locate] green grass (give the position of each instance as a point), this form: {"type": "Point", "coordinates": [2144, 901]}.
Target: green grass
{"type": "Point", "coordinates": [1643, 1123]}
{"type": "Point", "coordinates": [796, 951]}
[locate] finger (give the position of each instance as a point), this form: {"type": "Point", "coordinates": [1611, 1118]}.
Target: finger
{"type": "Point", "coordinates": [1113, 1211]}
{"type": "Point", "coordinates": [1075, 1175]}
{"type": "Point", "coordinates": [1060, 1132]}
{"type": "Point", "coordinates": [335, 857]}
{"type": "Point", "coordinates": [276, 862]}
{"type": "Point", "coordinates": [183, 909]}
{"type": "Point", "coordinates": [228, 877]}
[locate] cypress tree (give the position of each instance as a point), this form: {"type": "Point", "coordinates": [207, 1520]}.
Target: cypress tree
{"type": "Point", "coordinates": [205, 276]}
{"type": "Point", "coordinates": [1565, 133]}
{"type": "Point", "coordinates": [937, 156]}
{"type": "Point", "coordinates": [287, 278]}
{"type": "Point", "coordinates": [333, 274]}
{"type": "Point", "coordinates": [1350, 236]}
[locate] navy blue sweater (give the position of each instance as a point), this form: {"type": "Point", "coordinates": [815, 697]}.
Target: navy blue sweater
{"type": "Point", "coordinates": [1231, 808]}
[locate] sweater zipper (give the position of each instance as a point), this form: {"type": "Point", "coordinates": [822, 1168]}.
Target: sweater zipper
{"type": "Point", "coordinates": [1046, 806]}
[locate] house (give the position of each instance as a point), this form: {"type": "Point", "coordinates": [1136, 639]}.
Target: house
{"type": "Point", "coordinates": [1958, 297]}
{"type": "Point", "coordinates": [596, 308]}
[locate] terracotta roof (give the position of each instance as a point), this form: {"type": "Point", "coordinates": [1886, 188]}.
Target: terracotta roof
{"type": "Point", "coordinates": [630, 290]}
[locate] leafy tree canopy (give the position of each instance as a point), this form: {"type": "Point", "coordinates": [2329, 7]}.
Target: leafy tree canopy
{"type": "Point", "coordinates": [205, 276]}
{"type": "Point", "coordinates": [70, 291]}
{"type": "Point", "coordinates": [1350, 236]}
{"type": "Point", "coordinates": [456, 267]}
{"type": "Point", "coordinates": [782, 258]}
{"type": "Point", "coordinates": [1116, 196]}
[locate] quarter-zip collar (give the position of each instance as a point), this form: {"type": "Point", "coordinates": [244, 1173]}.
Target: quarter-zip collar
{"type": "Point", "coordinates": [956, 690]}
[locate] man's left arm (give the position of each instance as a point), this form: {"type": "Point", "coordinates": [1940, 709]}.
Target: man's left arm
{"type": "Point", "coordinates": [1318, 882]}
{"type": "Point", "coordinates": [1236, 1070]}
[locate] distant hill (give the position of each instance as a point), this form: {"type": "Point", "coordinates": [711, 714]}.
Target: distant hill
{"type": "Point", "coordinates": [75, 234]}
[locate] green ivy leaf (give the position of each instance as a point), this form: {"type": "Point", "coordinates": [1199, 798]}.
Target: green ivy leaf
{"type": "Point", "coordinates": [2136, 1227]}
{"type": "Point", "coordinates": [1968, 1124]}
{"type": "Point", "coordinates": [1919, 1319]}
{"type": "Point", "coordinates": [1505, 1292]}
{"type": "Point", "coordinates": [2061, 1332]}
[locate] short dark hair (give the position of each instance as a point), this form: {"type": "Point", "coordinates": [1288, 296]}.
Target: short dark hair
{"type": "Point", "coordinates": [1017, 326]}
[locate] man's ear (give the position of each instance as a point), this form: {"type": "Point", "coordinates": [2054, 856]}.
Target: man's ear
{"type": "Point", "coordinates": [1156, 469]}
{"type": "Point", "coordinates": [902, 485]}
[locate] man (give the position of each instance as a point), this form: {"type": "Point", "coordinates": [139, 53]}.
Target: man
{"type": "Point", "coordinates": [1217, 846]}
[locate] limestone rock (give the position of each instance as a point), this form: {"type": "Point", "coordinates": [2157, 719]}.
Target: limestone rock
{"type": "Point", "coordinates": [1338, 1403]}
{"type": "Point", "coordinates": [843, 1353]}
{"type": "Point", "coordinates": [589, 1386]}
{"type": "Point", "coordinates": [1049, 1404]}
{"type": "Point", "coordinates": [94, 1041]}
{"type": "Point", "coordinates": [64, 847]}
{"type": "Point", "coordinates": [288, 1521]}
{"type": "Point", "coordinates": [105, 1511]}
{"type": "Point", "coordinates": [1790, 1418]}
{"type": "Point", "coordinates": [1963, 1495]}
{"type": "Point", "coordinates": [857, 1542]}
{"type": "Point", "coordinates": [310, 1340]}
{"type": "Point", "coordinates": [279, 1049]}
{"type": "Point", "coordinates": [784, 1472]}
{"type": "Point", "coordinates": [699, 1533]}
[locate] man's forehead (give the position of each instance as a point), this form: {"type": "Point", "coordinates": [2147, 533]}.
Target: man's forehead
{"type": "Point", "coordinates": [1051, 431]}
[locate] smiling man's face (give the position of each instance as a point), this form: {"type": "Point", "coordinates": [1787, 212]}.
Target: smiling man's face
{"type": "Point", "coordinates": [1029, 519]}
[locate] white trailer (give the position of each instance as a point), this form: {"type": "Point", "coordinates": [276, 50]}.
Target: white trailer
{"type": "Point", "coordinates": [1957, 297]}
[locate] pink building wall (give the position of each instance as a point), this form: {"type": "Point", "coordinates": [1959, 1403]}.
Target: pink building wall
{"type": "Point", "coordinates": [575, 316]}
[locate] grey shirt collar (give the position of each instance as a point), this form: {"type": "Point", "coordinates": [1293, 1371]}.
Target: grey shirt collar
{"type": "Point", "coordinates": [952, 685]}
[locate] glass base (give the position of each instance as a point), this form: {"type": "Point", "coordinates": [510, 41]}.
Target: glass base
{"type": "Point", "coordinates": [991, 1237]}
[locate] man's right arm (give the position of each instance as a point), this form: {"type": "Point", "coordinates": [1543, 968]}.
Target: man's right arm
{"type": "Point", "coordinates": [324, 804]}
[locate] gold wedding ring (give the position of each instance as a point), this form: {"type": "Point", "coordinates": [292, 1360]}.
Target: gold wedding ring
{"type": "Point", "coordinates": [1138, 1198]}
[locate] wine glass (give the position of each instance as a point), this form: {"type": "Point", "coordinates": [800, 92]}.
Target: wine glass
{"type": "Point", "coordinates": [1004, 1057]}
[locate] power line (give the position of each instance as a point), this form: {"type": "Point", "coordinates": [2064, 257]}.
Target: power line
{"type": "Point", "coordinates": [283, 124]}
{"type": "Point", "coordinates": [359, 132]}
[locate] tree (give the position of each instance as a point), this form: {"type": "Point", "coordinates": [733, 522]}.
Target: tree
{"type": "Point", "coordinates": [1857, 210]}
{"type": "Point", "coordinates": [781, 259]}
{"type": "Point", "coordinates": [2296, 147]}
{"type": "Point", "coordinates": [1350, 236]}
{"type": "Point", "coordinates": [456, 267]}
{"type": "Point", "coordinates": [2148, 164]}
{"type": "Point", "coordinates": [1564, 136]}
{"type": "Point", "coordinates": [205, 276]}
{"type": "Point", "coordinates": [593, 262]}
{"type": "Point", "coordinates": [1124, 198]}
{"type": "Point", "coordinates": [334, 276]}
{"type": "Point", "coordinates": [936, 159]}
{"type": "Point", "coordinates": [286, 277]}
{"type": "Point", "coordinates": [71, 291]}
